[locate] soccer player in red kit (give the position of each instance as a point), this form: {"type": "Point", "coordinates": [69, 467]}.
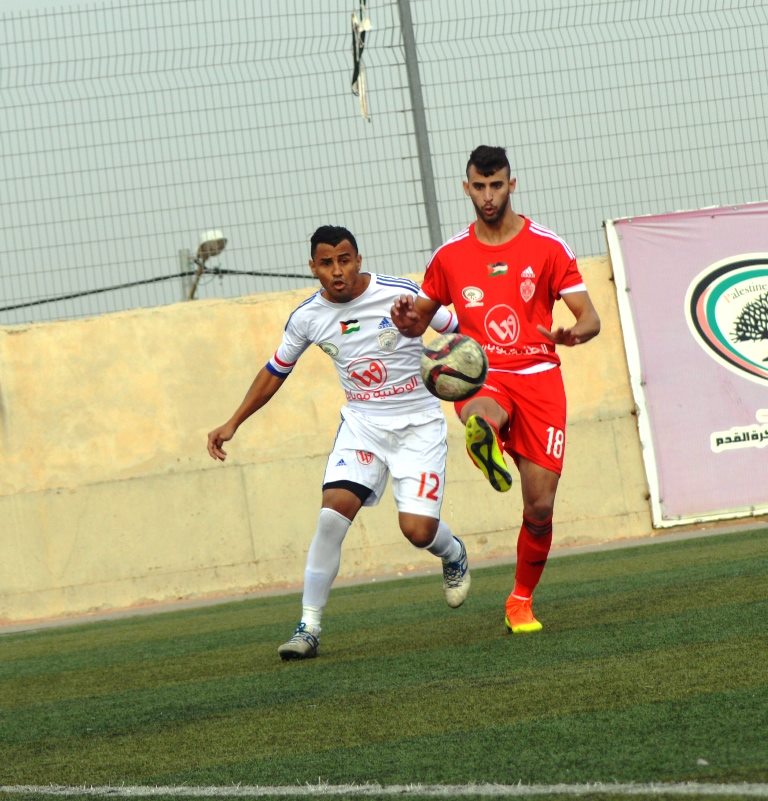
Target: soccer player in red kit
{"type": "Point", "coordinates": [503, 274]}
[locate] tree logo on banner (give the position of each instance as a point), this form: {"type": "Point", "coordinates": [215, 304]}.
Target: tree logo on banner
{"type": "Point", "coordinates": [727, 312]}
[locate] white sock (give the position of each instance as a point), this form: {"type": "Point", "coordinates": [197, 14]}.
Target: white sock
{"type": "Point", "coordinates": [445, 545]}
{"type": "Point", "coordinates": [323, 561]}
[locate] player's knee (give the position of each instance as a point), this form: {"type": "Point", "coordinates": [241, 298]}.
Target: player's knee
{"type": "Point", "coordinates": [486, 408]}
{"type": "Point", "coordinates": [419, 531]}
{"type": "Point", "coordinates": [539, 511]}
{"type": "Point", "coordinates": [418, 537]}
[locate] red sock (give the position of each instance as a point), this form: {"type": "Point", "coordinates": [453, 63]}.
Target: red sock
{"type": "Point", "coordinates": [533, 544]}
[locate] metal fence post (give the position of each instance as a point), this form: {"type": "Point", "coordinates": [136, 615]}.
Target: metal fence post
{"type": "Point", "coordinates": [185, 260]}
{"type": "Point", "coordinates": [420, 125]}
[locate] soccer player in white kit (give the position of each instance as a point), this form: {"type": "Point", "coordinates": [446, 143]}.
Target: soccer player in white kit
{"type": "Point", "coordinates": [390, 425]}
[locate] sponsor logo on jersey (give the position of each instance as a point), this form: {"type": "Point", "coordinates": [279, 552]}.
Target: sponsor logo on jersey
{"type": "Point", "coordinates": [349, 326]}
{"type": "Point", "coordinates": [502, 325]}
{"type": "Point", "coordinates": [329, 348]}
{"type": "Point", "coordinates": [364, 457]}
{"type": "Point", "coordinates": [367, 373]}
{"type": "Point", "coordinates": [497, 268]}
{"type": "Point", "coordinates": [528, 272]}
{"type": "Point", "coordinates": [473, 296]}
{"type": "Point", "coordinates": [387, 340]}
{"type": "Point", "coordinates": [341, 463]}
{"type": "Point", "coordinates": [385, 323]}
{"type": "Point", "coordinates": [727, 313]}
{"type": "Point", "coordinates": [527, 289]}
{"type": "Point", "coordinates": [393, 389]}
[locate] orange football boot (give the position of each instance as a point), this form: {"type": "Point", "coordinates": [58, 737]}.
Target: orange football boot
{"type": "Point", "coordinates": [518, 617]}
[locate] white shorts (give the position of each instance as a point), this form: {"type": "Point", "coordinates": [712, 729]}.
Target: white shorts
{"type": "Point", "coordinates": [411, 449]}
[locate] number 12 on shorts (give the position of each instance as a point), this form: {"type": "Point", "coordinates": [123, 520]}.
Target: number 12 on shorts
{"type": "Point", "coordinates": [429, 485]}
{"type": "Point", "coordinates": [555, 442]}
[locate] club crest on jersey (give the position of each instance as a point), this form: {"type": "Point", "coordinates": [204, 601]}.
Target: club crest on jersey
{"type": "Point", "coordinates": [364, 457]}
{"type": "Point", "coordinates": [387, 340]}
{"type": "Point", "coordinates": [473, 296]}
{"type": "Point", "coordinates": [527, 288]}
{"type": "Point", "coordinates": [329, 348]}
{"type": "Point", "coordinates": [497, 268]}
{"type": "Point", "coordinates": [349, 326]}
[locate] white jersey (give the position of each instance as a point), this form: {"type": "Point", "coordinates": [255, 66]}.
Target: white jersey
{"type": "Point", "coordinates": [378, 367]}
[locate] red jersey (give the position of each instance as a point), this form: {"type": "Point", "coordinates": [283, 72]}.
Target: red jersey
{"type": "Point", "coordinates": [500, 293]}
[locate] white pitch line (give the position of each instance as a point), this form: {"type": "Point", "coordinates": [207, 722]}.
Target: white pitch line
{"type": "Point", "coordinates": [402, 790]}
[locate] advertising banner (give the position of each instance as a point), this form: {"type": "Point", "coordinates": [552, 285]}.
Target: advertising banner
{"type": "Point", "coordinates": [692, 291]}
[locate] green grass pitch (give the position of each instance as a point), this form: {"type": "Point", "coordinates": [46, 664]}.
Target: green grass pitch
{"type": "Point", "coordinates": [652, 668]}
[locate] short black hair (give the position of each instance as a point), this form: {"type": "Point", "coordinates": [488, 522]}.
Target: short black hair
{"type": "Point", "coordinates": [488, 160]}
{"type": "Point", "coordinates": [331, 235]}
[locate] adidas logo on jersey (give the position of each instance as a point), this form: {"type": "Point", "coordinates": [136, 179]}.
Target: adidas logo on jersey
{"type": "Point", "coordinates": [385, 323]}
{"type": "Point", "coordinates": [528, 273]}
{"type": "Point", "coordinates": [341, 463]}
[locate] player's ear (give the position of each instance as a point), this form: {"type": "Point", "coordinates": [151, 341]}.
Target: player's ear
{"type": "Point", "coordinates": [512, 185]}
{"type": "Point", "coordinates": [311, 264]}
{"type": "Point", "coordinates": [465, 184]}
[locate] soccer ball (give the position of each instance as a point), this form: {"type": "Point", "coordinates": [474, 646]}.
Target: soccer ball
{"type": "Point", "coordinates": [453, 367]}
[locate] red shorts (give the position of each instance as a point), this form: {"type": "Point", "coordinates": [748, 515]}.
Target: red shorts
{"type": "Point", "coordinates": [535, 405]}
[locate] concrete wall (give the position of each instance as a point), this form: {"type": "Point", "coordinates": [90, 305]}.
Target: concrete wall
{"type": "Point", "coordinates": [108, 498]}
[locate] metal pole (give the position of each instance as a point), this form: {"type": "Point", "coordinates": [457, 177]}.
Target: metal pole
{"type": "Point", "coordinates": [185, 260]}
{"type": "Point", "coordinates": [199, 268]}
{"type": "Point", "coordinates": [420, 125]}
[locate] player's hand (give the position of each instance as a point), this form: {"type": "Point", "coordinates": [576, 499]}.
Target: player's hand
{"type": "Point", "coordinates": [217, 438]}
{"type": "Point", "coordinates": [560, 336]}
{"type": "Point", "coordinates": [403, 313]}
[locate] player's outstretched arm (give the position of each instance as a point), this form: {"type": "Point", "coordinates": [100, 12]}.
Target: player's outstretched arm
{"type": "Point", "coordinates": [585, 327]}
{"type": "Point", "coordinates": [261, 391]}
{"type": "Point", "coordinates": [411, 314]}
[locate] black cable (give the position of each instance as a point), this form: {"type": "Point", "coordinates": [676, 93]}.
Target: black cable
{"type": "Point", "coordinates": [94, 291]}
{"type": "Point", "coordinates": [214, 271]}
{"type": "Point", "coordinates": [219, 271]}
